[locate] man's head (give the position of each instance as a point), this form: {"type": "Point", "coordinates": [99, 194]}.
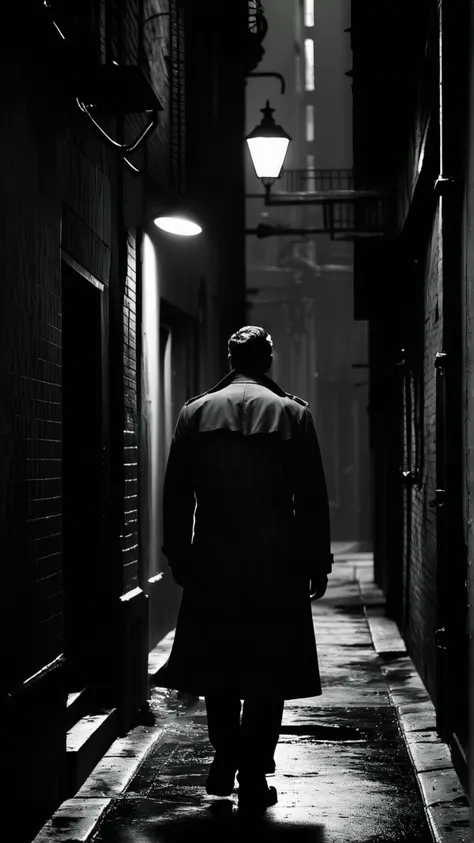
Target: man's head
{"type": "Point", "coordinates": [250, 350]}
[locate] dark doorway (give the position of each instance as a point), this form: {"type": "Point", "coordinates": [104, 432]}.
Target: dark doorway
{"type": "Point", "coordinates": [82, 475]}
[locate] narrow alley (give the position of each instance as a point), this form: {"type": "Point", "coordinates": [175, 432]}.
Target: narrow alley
{"type": "Point", "coordinates": [237, 402]}
{"type": "Point", "coordinates": [346, 765]}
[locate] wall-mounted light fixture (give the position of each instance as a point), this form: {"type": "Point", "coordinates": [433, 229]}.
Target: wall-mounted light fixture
{"type": "Point", "coordinates": [179, 225]}
{"type": "Point", "coordinates": [179, 219]}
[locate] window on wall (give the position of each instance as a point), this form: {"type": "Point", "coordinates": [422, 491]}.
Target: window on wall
{"type": "Point", "coordinates": [309, 64]}
{"type": "Point", "coordinates": [310, 123]}
{"type": "Point", "coordinates": [309, 12]}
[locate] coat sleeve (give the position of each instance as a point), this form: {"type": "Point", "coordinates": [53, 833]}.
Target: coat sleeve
{"type": "Point", "coordinates": [178, 495]}
{"type": "Point", "coordinates": [310, 500]}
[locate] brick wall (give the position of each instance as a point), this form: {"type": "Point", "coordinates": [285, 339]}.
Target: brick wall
{"type": "Point", "coordinates": [86, 221]}
{"type": "Point", "coordinates": [30, 409]}
{"type": "Point", "coordinates": [141, 37]}
{"type": "Point", "coordinates": [146, 41]}
{"type": "Point", "coordinates": [422, 539]}
{"type": "Point", "coordinates": [130, 532]}
{"type": "Point", "coordinates": [57, 194]}
{"type": "Point", "coordinates": [132, 53]}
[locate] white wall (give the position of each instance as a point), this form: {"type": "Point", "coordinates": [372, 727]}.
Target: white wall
{"type": "Point", "coordinates": [149, 420]}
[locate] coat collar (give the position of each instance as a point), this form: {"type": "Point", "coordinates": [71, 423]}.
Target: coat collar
{"type": "Point", "coordinates": [240, 377]}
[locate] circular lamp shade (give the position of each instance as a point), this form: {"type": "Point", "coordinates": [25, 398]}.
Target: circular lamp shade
{"type": "Point", "coordinates": [268, 145]}
{"type": "Point", "coordinates": [178, 221]}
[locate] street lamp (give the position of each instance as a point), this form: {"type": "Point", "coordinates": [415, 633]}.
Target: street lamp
{"type": "Point", "coordinates": [268, 145]}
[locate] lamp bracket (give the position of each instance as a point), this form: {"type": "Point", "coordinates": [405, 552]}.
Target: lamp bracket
{"type": "Point", "coordinates": [124, 148]}
{"type": "Point", "coordinates": [115, 89]}
{"type": "Point", "coordinates": [270, 74]}
{"type": "Point", "coordinates": [118, 90]}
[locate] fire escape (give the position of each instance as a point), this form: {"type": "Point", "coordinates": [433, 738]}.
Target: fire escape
{"type": "Point", "coordinates": [349, 213]}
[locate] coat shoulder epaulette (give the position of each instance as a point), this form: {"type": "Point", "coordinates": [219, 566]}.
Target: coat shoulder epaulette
{"type": "Point", "coordinates": [195, 398]}
{"type": "Point", "coordinates": [298, 400]}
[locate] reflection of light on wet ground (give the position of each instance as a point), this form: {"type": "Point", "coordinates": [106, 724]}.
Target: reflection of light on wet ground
{"type": "Point", "coordinates": [342, 770]}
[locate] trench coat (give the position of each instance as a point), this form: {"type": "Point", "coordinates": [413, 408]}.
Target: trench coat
{"type": "Point", "coordinates": [246, 523]}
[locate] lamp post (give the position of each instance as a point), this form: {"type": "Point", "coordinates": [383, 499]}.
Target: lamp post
{"type": "Point", "coordinates": [268, 144]}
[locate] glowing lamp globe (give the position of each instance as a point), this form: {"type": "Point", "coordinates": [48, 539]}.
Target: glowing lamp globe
{"type": "Point", "coordinates": [268, 145]}
{"type": "Point", "coordinates": [177, 220]}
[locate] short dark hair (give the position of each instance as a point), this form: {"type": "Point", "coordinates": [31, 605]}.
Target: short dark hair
{"type": "Point", "coordinates": [251, 349]}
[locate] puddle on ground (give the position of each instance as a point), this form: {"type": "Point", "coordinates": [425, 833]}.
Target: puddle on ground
{"type": "Point", "coordinates": [325, 734]}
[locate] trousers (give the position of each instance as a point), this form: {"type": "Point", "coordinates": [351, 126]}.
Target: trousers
{"type": "Point", "coordinates": [248, 746]}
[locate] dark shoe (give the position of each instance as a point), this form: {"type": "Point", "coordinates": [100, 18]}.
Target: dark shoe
{"type": "Point", "coordinates": [221, 778]}
{"type": "Point", "coordinates": [256, 798]}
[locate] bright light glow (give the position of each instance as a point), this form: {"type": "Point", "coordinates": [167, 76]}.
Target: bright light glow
{"type": "Point", "coordinates": [178, 225]}
{"type": "Point", "coordinates": [150, 414]}
{"type": "Point", "coordinates": [311, 183]}
{"type": "Point", "coordinates": [309, 64]}
{"type": "Point", "coordinates": [268, 155]}
{"type": "Point", "coordinates": [309, 12]}
{"type": "Point", "coordinates": [310, 123]}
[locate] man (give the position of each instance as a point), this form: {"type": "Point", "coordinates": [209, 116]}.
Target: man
{"type": "Point", "coordinates": [246, 533]}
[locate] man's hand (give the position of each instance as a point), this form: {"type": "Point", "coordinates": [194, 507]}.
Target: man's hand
{"type": "Point", "coordinates": [317, 586]}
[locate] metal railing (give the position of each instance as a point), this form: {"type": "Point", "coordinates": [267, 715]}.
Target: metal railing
{"type": "Point", "coordinates": [348, 220]}
{"type": "Point", "coordinates": [348, 212]}
{"type": "Point", "coordinates": [311, 180]}
{"type": "Point", "coordinates": [256, 19]}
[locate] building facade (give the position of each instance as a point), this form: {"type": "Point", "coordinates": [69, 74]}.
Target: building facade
{"type": "Point", "coordinates": [107, 326]}
{"type": "Point", "coordinates": [301, 285]}
{"type": "Point", "coordinates": [411, 139]}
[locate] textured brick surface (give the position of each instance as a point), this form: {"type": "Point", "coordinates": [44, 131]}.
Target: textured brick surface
{"type": "Point", "coordinates": [130, 534]}
{"type": "Point", "coordinates": [422, 540]}
{"type": "Point", "coordinates": [30, 412]}
{"type": "Point", "coordinates": [58, 186]}
{"type": "Point", "coordinates": [156, 47]}
{"type": "Point", "coordinates": [62, 202]}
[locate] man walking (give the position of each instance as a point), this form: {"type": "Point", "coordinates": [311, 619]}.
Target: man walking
{"type": "Point", "coordinates": [247, 535]}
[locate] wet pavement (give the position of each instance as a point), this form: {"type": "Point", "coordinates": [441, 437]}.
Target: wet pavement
{"type": "Point", "coordinates": [343, 774]}
{"type": "Point", "coordinates": [344, 768]}
{"type": "Point", "coordinates": [343, 771]}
